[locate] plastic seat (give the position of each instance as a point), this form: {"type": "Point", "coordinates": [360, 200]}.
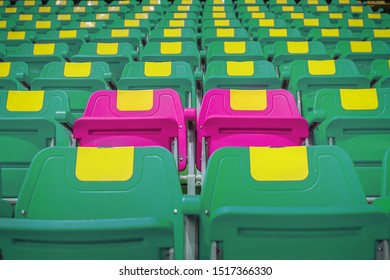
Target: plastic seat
{"type": "Point", "coordinates": [107, 18]}
{"type": "Point", "coordinates": [151, 17]}
{"type": "Point", "coordinates": [60, 3]}
{"type": "Point", "coordinates": [287, 203]}
{"type": "Point", "coordinates": [90, 26]}
{"type": "Point", "coordinates": [27, 126]}
{"type": "Point", "coordinates": [218, 9]}
{"type": "Point", "coordinates": [247, 16]}
{"type": "Point", "coordinates": [357, 25]}
{"type": "Point", "coordinates": [5, 3]}
{"type": "Point", "coordinates": [362, 53]}
{"type": "Point", "coordinates": [290, 17]}
{"type": "Point", "coordinates": [36, 56]}
{"type": "Point", "coordinates": [80, 10]}
{"type": "Point", "coordinates": [181, 15]}
{"type": "Point", "coordinates": [331, 36]}
{"type": "Point", "coordinates": [127, 3]}
{"type": "Point", "coordinates": [89, 3]}
{"type": "Point", "coordinates": [176, 75]}
{"type": "Point", "coordinates": [134, 118]}
{"type": "Point", "coordinates": [172, 51]}
{"type": "Point", "coordinates": [240, 3]}
{"type": "Point", "coordinates": [307, 77]}
{"type": "Point", "coordinates": [234, 51]}
{"type": "Point", "coordinates": [310, 3]}
{"type": "Point", "coordinates": [28, 3]}
{"type": "Point", "coordinates": [43, 11]}
{"type": "Point", "coordinates": [7, 12]}
{"type": "Point", "coordinates": [380, 73]}
{"type": "Point", "coordinates": [218, 3]}
{"type": "Point", "coordinates": [357, 10]}
{"type": "Point", "coordinates": [163, 3]}
{"type": "Point", "coordinates": [241, 118]}
{"type": "Point", "coordinates": [65, 19]}
{"type": "Point", "coordinates": [120, 10]}
{"type": "Point", "coordinates": [116, 55]}
{"type": "Point", "coordinates": [142, 25]}
{"type": "Point", "coordinates": [344, 3]}
{"type": "Point", "coordinates": [378, 18]}
{"type": "Point", "coordinates": [321, 9]}
{"type": "Point", "coordinates": [12, 39]}
{"type": "Point", "coordinates": [6, 25]}
{"type": "Point", "coordinates": [178, 23]}
{"type": "Point", "coordinates": [376, 34]}
{"type": "Point", "coordinates": [190, 8]}
{"type": "Point", "coordinates": [223, 34]}
{"type": "Point", "coordinates": [221, 23]}
{"type": "Point", "coordinates": [268, 36]}
{"type": "Point", "coordinates": [73, 38]}
{"type": "Point", "coordinates": [14, 76]}
{"type": "Point", "coordinates": [88, 225]}
{"type": "Point", "coordinates": [254, 25]}
{"type": "Point", "coordinates": [305, 25]}
{"type": "Point", "coordinates": [20, 19]}
{"type": "Point", "coordinates": [187, 2]}
{"type": "Point", "coordinates": [172, 35]}
{"type": "Point", "coordinates": [282, 9]}
{"type": "Point", "coordinates": [78, 80]}
{"type": "Point", "coordinates": [271, 3]}
{"type": "Point", "coordinates": [335, 17]}
{"type": "Point", "coordinates": [218, 15]}
{"type": "Point", "coordinates": [39, 26]}
{"type": "Point", "coordinates": [357, 120]}
{"type": "Point", "coordinates": [157, 9]}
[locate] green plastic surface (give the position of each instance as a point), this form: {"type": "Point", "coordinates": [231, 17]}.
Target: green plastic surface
{"type": "Point", "coordinates": [330, 42]}
{"type": "Point", "coordinates": [210, 35]}
{"type": "Point", "coordinates": [17, 78]}
{"type": "Point", "coordinates": [380, 73]}
{"type": "Point", "coordinates": [216, 51]}
{"type": "Point", "coordinates": [264, 38]}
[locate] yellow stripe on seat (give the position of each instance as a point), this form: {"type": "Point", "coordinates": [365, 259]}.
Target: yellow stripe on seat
{"type": "Point", "coordinates": [180, 16]}
{"type": "Point", "coordinates": [256, 15]}
{"type": "Point", "coordinates": [321, 67]}
{"type": "Point", "coordinates": [297, 47]}
{"type": "Point", "coordinates": [5, 68]}
{"type": "Point", "coordinates": [382, 33]}
{"type": "Point", "coordinates": [359, 99]}
{"type": "Point", "coordinates": [67, 34]}
{"type": "Point", "coordinates": [221, 22]}
{"type": "Point", "coordinates": [171, 47]}
{"type": "Point", "coordinates": [43, 24]}
{"type": "Point", "coordinates": [134, 100]}
{"type": "Point", "coordinates": [358, 46]}
{"type": "Point", "coordinates": [234, 47]}
{"type": "Point", "coordinates": [282, 32]}
{"type": "Point", "coordinates": [107, 48]}
{"type": "Point", "coordinates": [333, 32]}
{"type": "Point", "coordinates": [131, 23]}
{"type": "Point", "coordinates": [240, 68]}
{"type": "Point", "coordinates": [44, 49]}
{"type": "Point", "coordinates": [311, 22]}
{"type": "Point", "coordinates": [77, 69]}
{"type": "Point", "coordinates": [266, 22]}
{"type": "Point", "coordinates": [225, 32]}
{"type": "Point", "coordinates": [355, 22]}
{"type": "Point", "coordinates": [176, 23]}
{"type": "Point", "coordinates": [278, 164]}
{"type": "Point", "coordinates": [248, 100]}
{"type": "Point", "coordinates": [104, 164]}
{"type": "Point", "coordinates": [25, 101]}
{"type": "Point", "coordinates": [172, 32]}
{"type": "Point", "coordinates": [158, 69]}
{"type": "Point", "coordinates": [336, 15]}
{"type": "Point", "coordinates": [26, 17]}
{"type": "Point", "coordinates": [16, 35]}
{"type": "Point", "coordinates": [115, 33]}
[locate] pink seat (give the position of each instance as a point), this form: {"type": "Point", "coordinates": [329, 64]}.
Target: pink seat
{"type": "Point", "coordinates": [249, 118]}
{"type": "Point", "coordinates": [134, 118]}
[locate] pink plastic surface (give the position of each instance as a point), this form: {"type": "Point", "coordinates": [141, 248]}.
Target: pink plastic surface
{"type": "Point", "coordinates": [104, 125]}
{"type": "Point", "coordinates": [280, 124]}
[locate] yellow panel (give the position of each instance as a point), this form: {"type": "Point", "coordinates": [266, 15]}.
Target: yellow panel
{"type": "Point", "coordinates": [186, 2]}
{"type": "Point", "coordinates": [321, 67]}
{"type": "Point", "coordinates": [176, 23]}
{"type": "Point", "coordinates": [287, 9]}
{"type": "Point", "coordinates": [183, 8]}
{"type": "Point", "coordinates": [124, 2]}
{"type": "Point", "coordinates": [158, 69]}
{"type": "Point", "coordinates": [250, 1]}
{"type": "Point", "coordinates": [131, 23]}
{"type": "Point", "coordinates": [120, 33]}
{"type": "Point", "coordinates": [257, 15]}
{"type": "Point", "coordinates": [278, 32]}
{"type": "Point", "coordinates": [355, 22]}
{"type": "Point", "coordinates": [5, 68]}
{"type": "Point", "coordinates": [374, 16]}
{"type": "Point", "coordinates": [64, 17]}
{"type": "Point", "coordinates": [42, 24]}
{"type": "Point", "coordinates": [322, 8]}
{"type": "Point", "coordinates": [336, 15]}
{"type": "Point", "coordinates": [242, 68]}
{"type": "Point", "coordinates": [225, 32]}
{"type": "Point", "coordinates": [180, 16]}
{"type": "Point", "coordinates": [330, 33]}
{"type": "Point", "coordinates": [114, 9]}
{"type": "Point", "coordinates": [253, 9]}
{"type": "Point", "coordinates": [172, 32]}
{"type": "Point", "coordinates": [61, 3]}
{"type": "Point", "coordinates": [155, 2]}
{"type": "Point", "coordinates": [148, 8]}
{"type": "Point", "coordinates": [3, 24]}
{"type": "Point", "coordinates": [221, 22]}
{"type": "Point", "coordinates": [219, 2]}
{"type": "Point", "coordinates": [29, 3]}
{"type": "Point", "coordinates": [219, 15]}
{"type": "Point", "coordinates": [107, 48]}
{"type": "Point", "coordinates": [77, 70]}
{"type": "Point", "coordinates": [16, 35]}
{"type": "Point", "coordinates": [281, 2]}
{"type": "Point", "coordinates": [141, 16]}
{"type": "Point", "coordinates": [79, 9]}
{"type": "Point", "coordinates": [44, 9]}
{"type": "Point", "coordinates": [278, 164]}
{"type": "Point", "coordinates": [87, 24]}
{"type": "Point", "coordinates": [356, 9]}
{"type": "Point", "coordinates": [358, 46]}
{"type": "Point", "coordinates": [359, 99]}
{"type": "Point", "coordinates": [382, 33]}
{"type": "Point", "coordinates": [343, 1]}
{"type": "Point", "coordinates": [26, 17]}
{"type": "Point", "coordinates": [266, 22]}
{"type": "Point", "coordinates": [297, 47]}
{"type": "Point", "coordinates": [170, 47]}
{"type": "Point", "coordinates": [25, 101]}
{"type": "Point", "coordinates": [1, 3]}
{"type": "Point", "coordinates": [297, 15]}
{"type": "Point", "coordinates": [92, 3]}
{"type": "Point", "coordinates": [234, 47]}
{"type": "Point", "coordinates": [312, 2]}
{"type": "Point", "coordinates": [68, 34]}
{"type": "Point", "coordinates": [248, 100]}
{"type": "Point", "coordinates": [44, 49]}
{"type": "Point", "coordinates": [311, 22]}
{"type": "Point", "coordinates": [11, 10]}
{"type": "Point", "coordinates": [218, 8]}
{"type": "Point", "coordinates": [104, 164]}
{"type": "Point", "coordinates": [134, 100]}
{"type": "Point", "coordinates": [102, 16]}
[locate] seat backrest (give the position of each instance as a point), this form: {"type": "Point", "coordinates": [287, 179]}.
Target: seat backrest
{"type": "Point", "coordinates": [234, 51]}
{"type": "Point", "coordinates": [14, 75]}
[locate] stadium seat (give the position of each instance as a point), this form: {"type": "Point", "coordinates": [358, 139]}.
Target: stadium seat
{"type": "Point", "coordinates": [21, 19]}
{"type": "Point", "coordinates": [218, 3]}
{"type": "Point", "coordinates": [376, 34]}
{"type": "Point", "coordinates": [221, 23]}
{"type": "Point", "coordinates": [65, 19]}
{"type": "Point", "coordinates": [307, 77]}
{"type": "Point", "coordinates": [127, 3]}
{"type": "Point", "coordinates": [27, 125]}
{"type": "Point", "coordinates": [242, 118]}
{"type": "Point", "coordinates": [254, 25]}
{"type": "Point", "coordinates": [60, 3]}
{"type": "Point", "coordinates": [223, 34]}
{"type": "Point", "coordinates": [28, 3]}
{"type": "Point", "coordinates": [240, 3]}
{"type": "Point", "coordinates": [380, 73]}
{"type": "Point", "coordinates": [7, 12]}
{"type": "Point", "coordinates": [356, 25]}
{"type": "Point", "coordinates": [78, 79]}
{"type": "Point", "coordinates": [287, 203]}
{"type": "Point", "coordinates": [190, 8]}
{"type": "Point", "coordinates": [267, 36]}
{"type": "Point", "coordinates": [218, 9]}
{"type": "Point", "coordinates": [120, 10]}
{"type": "Point", "coordinates": [305, 25]}
{"type": "Point", "coordinates": [218, 15]}
{"type": "Point", "coordinates": [14, 76]}
{"type": "Point", "coordinates": [378, 18]}
{"type": "Point", "coordinates": [73, 38]}
{"type": "Point", "coordinates": [36, 56]}
{"type": "Point", "coordinates": [187, 2]}
{"type": "Point", "coordinates": [310, 3]}
{"type": "Point", "coordinates": [163, 3]}
{"type": "Point", "coordinates": [357, 120]}
{"type": "Point", "coordinates": [357, 10]}
{"type": "Point", "coordinates": [43, 11]}
{"type": "Point", "coordinates": [12, 39]}
{"type": "Point", "coordinates": [116, 55]}
{"type": "Point", "coordinates": [81, 11]}
{"type": "Point", "coordinates": [159, 10]}
{"type": "Point", "coordinates": [258, 74]}
{"type": "Point", "coordinates": [89, 3]}
{"type": "Point", "coordinates": [282, 9]}
{"type": "Point", "coordinates": [39, 26]}
{"type": "Point", "coordinates": [172, 35]}
{"type": "Point", "coordinates": [134, 118]}
{"type": "Point", "coordinates": [272, 3]}
{"type": "Point", "coordinates": [248, 16]}
{"type": "Point", "coordinates": [323, 8]}
{"type": "Point", "coordinates": [107, 18]}
{"type": "Point", "coordinates": [290, 17]}
{"type": "Point", "coordinates": [90, 26]}
{"type": "Point", "coordinates": [5, 3]}
{"type": "Point", "coordinates": [234, 51]}
{"type": "Point", "coordinates": [331, 36]}
{"type": "Point", "coordinates": [178, 23]}
{"type": "Point", "coordinates": [179, 15]}
{"type": "Point", "coordinates": [141, 25]}
{"type": "Point", "coordinates": [343, 3]}
{"type": "Point", "coordinates": [88, 224]}
{"type": "Point", "coordinates": [176, 75]}
{"type": "Point", "coordinates": [151, 17]}
{"type": "Point", "coordinates": [362, 53]}
{"type": "Point", "coordinates": [6, 25]}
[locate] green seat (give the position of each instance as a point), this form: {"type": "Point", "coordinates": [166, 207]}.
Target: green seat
{"type": "Point", "coordinates": [28, 3]}
{"type": "Point", "coordinates": [60, 3]}
{"type": "Point", "coordinates": [378, 18]}
{"type": "Point", "coordinates": [178, 23]}
{"type": "Point", "coordinates": [380, 73]}
{"type": "Point", "coordinates": [120, 10]}
{"type": "Point", "coordinates": [282, 9]}
{"type": "Point", "coordinates": [78, 80]}
{"type": "Point", "coordinates": [179, 15]}
{"type": "Point", "coordinates": [234, 51]}
{"type": "Point", "coordinates": [306, 77]}
{"type": "Point", "coordinates": [218, 3]}
{"type": "Point", "coordinates": [27, 126]}
{"type": "Point", "coordinates": [357, 120]}
{"type": "Point", "coordinates": [254, 12]}
{"type": "Point", "coordinates": [73, 38]}
{"type": "Point", "coordinates": [357, 10]}
{"type": "Point", "coordinates": [196, 3]}
{"type": "Point", "coordinates": [39, 26]}
{"type": "Point", "coordinates": [185, 8]}
{"type": "Point", "coordinates": [259, 74]}
{"type": "Point", "coordinates": [65, 19]}
{"type": "Point", "coordinates": [116, 55]}
{"type": "Point", "coordinates": [385, 176]}
{"type": "Point", "coordinates": [272, 3]}
{"type": "Point", "coordinates": [94, 4]}
{"type": "Point", "coordinates": [172, 51]}
{"type": "Point", "coordinates": [107, 18]}
{"type": "Point", "coordinates": [88, 216]}
{"type": "Point", "coordinates": [240, 3]}
{"type": "Point", "coordinates": [310, 3]}
{"type": "Point", "coordinates": [157, 9]}
{"type": "Point", "coordinates": [386, 24]}
{"type": "Point", "coordinates": [127, 3]}
{"type": "Point", "coordinates": [223, 34]}
{"type": "Point", "coordinates": [43, 11]}
{"type": "Point", "coordinates": [5, 3]}
{"type": "Point", "coordinates": [218, 9]}
{"type": "Point", "coordinates": [12, 39]}
{"type": "Point", "coordinates": [7, 12]}
{"type": "Point", "coordinates": [267, 36]}
{"type": "Point", "coordinates": [177, 75]}
{"type": "Point", "coordinates": [344, 3]}
{"type": "Point", "coordinates": [362, 53]}
{"type": "Point", "coordinates": [143, 25]}
{"type": "Point", "coordinates": [91, 27]}
{"type": "Point", "coordinates": [323, 8]}
{"type": "Point", "coordinates": [131, 36]}
{"type": "Point", "coordinates": [220, 23]}
{"type": "Point", "coordinates": [6, 25]}
{"type": "Point", "coordinates": [151, 17]}
{"type": "Point", "coordinates": [163, 3]}
{"type": "Point", "coordinates": [21, 19]}
{"type": "Point", "coordinates": [14, 76]}
{"type": "Point", "coordinates": [335, 16]}
{"type": "Point", "coordinates": [172, 35]}
{"type": "Point", "coordinates": [357, 25]}
{"type": "Point", "coordinates": [331, 36]}
{"type": "Point", "coordinates": [305, 25]}
{"type": "Point", "coordinates": [36, 56]}
{"type": "Point", "coordinates": [287, 203]}
{"type": "Point", "coordinates": [254, 25]}
{"type": "Point", "coordinates": [290, 17]}
{"type": "Point", "coordinates": [218, 15]}
{"type": "Point", "coordinates": [376, 34]}
{"type": "Point", "coordinates": [77, 10]}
